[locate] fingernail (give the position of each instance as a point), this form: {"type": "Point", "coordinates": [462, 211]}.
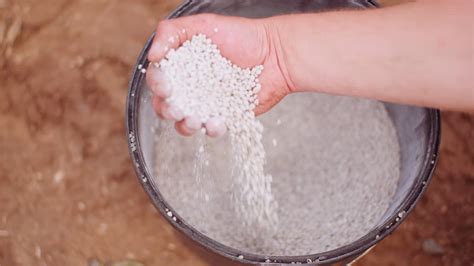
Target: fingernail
{"type": "Point", "coordinates": [154, 50]}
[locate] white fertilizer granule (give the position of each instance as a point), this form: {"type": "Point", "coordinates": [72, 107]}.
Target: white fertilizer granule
{"type": "Point", "coordinates": [206, 85]}
{"type": "Point", "coordinates": [335, 170]}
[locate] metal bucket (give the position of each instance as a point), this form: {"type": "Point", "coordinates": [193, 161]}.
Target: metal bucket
{"type": "Point", "coordinates": [418, 133]}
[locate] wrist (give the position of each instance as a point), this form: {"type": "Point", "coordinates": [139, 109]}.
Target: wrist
{"type": "Point", "coordinates": [276, 42]}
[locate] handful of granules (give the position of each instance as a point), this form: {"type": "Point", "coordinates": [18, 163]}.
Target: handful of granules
{"type": "Point", "coordinates": [206, 85]}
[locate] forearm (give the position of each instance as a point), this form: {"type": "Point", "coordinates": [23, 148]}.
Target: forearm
{"type": "Point", "coordinates": [418, 53]}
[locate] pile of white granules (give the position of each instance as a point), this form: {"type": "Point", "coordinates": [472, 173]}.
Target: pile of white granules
{"type": "Point", "coordinates": [335, 165]}
{"type": "Point", "coordinates": [205, 84]}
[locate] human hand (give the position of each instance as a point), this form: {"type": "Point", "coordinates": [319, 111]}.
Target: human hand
{"type": "Point", "coordinates": [245, 42]}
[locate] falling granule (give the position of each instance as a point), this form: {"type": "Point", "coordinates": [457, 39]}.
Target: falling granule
{"type": "Point", "coordinates": [216, 30]}
{"type": "Point", "coordinates": [274, 142]}
{"type": "Point", "coordinates": [278, 122]}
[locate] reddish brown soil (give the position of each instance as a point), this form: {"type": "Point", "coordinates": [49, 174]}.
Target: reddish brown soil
{"type": "Point", "coordinates": [68, 193]}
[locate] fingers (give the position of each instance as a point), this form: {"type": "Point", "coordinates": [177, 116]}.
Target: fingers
{"type": "Point", "coordinates": [186, 127]}
{"type": "Point", "coordinates": [156, 82]}
{"type": "Point", "coordinates": [189, 126]}
{"type": "Point", "coordinates": [215, 127]}
{"type": "Point", "coordinates": [166, 111]}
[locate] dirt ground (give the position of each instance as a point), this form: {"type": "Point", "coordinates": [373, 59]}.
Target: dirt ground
{"type": "Point", "coordinates": [68, 193]}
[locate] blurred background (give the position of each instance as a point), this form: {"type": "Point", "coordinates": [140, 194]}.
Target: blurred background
{"type": "Point", "coordinates": [68, 193]}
